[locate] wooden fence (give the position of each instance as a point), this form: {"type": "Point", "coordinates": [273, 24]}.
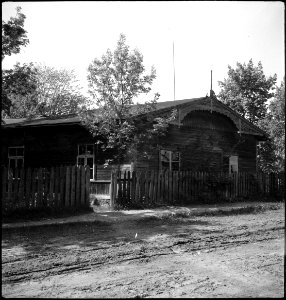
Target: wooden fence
{"type": "Point", "coordinates": [57, 187]}
{"type": "Point", "coordinates": [147, 189]}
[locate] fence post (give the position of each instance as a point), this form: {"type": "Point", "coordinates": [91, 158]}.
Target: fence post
{"type": "Point", "coordinates": [128, 187]}
{"type": "Point", "coordinates": [40, 188]}
{"type": "Point", "coordinates": [62, 185]}
{"type": "Point", "coordinates": [57, 187]}
{"type": "Point", "coordinates": [77, 200]}
{"type": "Point", "coordinates": [73, 186]}
{"type": "Point", "coordinates": [87, 184]}
{"type": "Point", "coordinates": [45, 186]}
{"type": "Point", "coordinates": [4, 185]}
{"type": "Point", "coordinates": [124, 189]}
{"type": "Point", "coordinates": [113, 189]}
{"type": "Point", "coordinates": [133, 187]}
{"type": "Point", "coordinates": [82, 188]}
{"type": "Point", "coordinates": [34, 197]}
{"type": "Point", "coordinates": [15, 188]}
{"type": "Point", "coordinates": [21, 186]}
{"type": "Point", "coordinates": [67, 189]}
{"type": "Point", "coordinates": [51, 188]}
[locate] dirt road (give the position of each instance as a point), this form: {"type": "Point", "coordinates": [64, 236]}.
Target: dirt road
{"type": "Point", "coordinates": [163, 255]}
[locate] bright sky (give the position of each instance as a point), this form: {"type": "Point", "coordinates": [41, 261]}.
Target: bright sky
{"type": "Point", "coordinates": [208, 35]}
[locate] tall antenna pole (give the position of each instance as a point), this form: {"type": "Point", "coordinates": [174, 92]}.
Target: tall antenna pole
{"type": "Point", "coordinates": [211, 93]}
{"type": "Point", "coordinates": [174, 71]}
{"type": "Point", "coordinates": [211, 80]}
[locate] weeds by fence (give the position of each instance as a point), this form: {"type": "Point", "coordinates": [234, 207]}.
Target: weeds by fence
{"type": "Point", "coordinates": [57, 187]}
{"type": "Point", "coordinates": [147, 189]}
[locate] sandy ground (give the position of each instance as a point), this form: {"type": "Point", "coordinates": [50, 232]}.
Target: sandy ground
{"type": "Point", "coordinates": [174, 252]}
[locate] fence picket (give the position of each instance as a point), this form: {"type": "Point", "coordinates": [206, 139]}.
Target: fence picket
{"type": "Point", "coordinates": [40, 188]}
{"type": "Point", "coordinates": [113, 184]}
{"type": "Point", "coordinates": [57, 186]}
{"type": "Point", "coordinates": [62, 185]}
{"type": "Point", "coordinates": [87, 184]}
{"type": "Point", "coordinates": [128, 186]}
{"type": "Point", "coordinates": [4, 183]}
{"type": "Point", "coordinates": [77, 193]}
{"type": "Point", "coordinates": [67, 188]}
{"type": "Point", "coordinates": [21, 187]}
{"type": "Point", "coordinates": [15, 187]}
{"type": "Point", "coordinates": [82, 188]}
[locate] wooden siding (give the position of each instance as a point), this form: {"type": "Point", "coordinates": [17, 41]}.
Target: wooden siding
{"type": "Point", "coordinates": [206, 141]}
{"type": "Point", "coordinates": [48, 146]}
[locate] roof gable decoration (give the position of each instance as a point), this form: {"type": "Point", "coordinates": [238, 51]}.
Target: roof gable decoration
{"type": "Point", "coordinates": [213, 105]}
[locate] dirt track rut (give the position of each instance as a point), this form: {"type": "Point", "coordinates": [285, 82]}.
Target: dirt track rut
{"type": "Point", "coordinates": [102, 255]}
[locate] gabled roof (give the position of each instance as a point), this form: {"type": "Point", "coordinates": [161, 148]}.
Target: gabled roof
{"type": "Point", "coordinates": [41, 121]}
{"type": "Point", "coordinates": [74, 118]}
{"type": "Point", "coordinates": [168, 104]}
{"type": "Point", "coordinates": [197, 103]}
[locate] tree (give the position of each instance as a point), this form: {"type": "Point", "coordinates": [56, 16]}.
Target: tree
{"type": "Point", "coordinates": [272, 152]}
{"type": "Point", "coordinates": [247, 90]}
{"type": "Point", "coordinates": [40, 90]}
{"type": "Point", "coordinates": [13, 34]}
{"type": "Point", "coordinates": [115, 81]}
{"type": "Point", "coordinates": [58, 92]}
{"type": "Point", "coordinates": [20, 80]}
{"type": "Point", "coordinates": [17, 84]}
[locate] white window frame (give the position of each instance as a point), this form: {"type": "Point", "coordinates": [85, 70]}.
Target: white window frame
{"type": "Point", "coordinates": [233, 164]}
{"type": "Point", "coordinates": [169, 153]}
{"type": "Point", "coordinates": [85, 156]}
{"type": "Point", "coordinates": [16, 157]}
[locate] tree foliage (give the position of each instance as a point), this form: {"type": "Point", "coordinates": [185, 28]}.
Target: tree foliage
{"type": "Point", "coordinates": [246, 90]}
{"type": "Point", "coordinates": [115, 81]}
{"type": "Point", "coordinates": [13, 34]}
{"type": "Point", "coordinates": [58, 91]}
{"type": "Point", "coordinates": [272, 152]}
{"type": "Point", "coordinates": [33, 90]}
{"type": "Point", "coordinates": [17, 84]}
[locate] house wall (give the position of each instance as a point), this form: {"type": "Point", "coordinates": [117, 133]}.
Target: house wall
{"type": "Point", "coordinates": [46, 146]}
{"type": "Point", "coordinates": [206, 140]}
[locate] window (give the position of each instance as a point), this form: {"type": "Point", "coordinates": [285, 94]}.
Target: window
{"type": "Point", "coordinates": [16, 158]}
{"type": "Point", "coordinates": [170, 160]}
{"type": "Point", "coordinates": [85, 157]}
{"type": "Point", "coordinates": [233, 164]}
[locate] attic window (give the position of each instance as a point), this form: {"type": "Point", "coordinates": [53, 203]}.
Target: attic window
{"type": "Point", "coordinates": [170, 160]}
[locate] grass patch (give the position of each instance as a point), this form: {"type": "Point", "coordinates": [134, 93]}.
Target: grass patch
{"type": "Point", "coordinates": [183, 216]}
{"type": "Point", "coordinates": [251, 209]}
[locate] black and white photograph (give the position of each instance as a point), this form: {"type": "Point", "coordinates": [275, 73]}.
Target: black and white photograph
{"type": "Point", "coordinates": [143, 149]}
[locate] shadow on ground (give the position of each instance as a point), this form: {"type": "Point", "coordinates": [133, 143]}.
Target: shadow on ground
{"type": "Point", "coordinates": [120, 227]}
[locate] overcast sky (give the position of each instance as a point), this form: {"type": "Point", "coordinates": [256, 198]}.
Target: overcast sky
{"type": "Point", "coordinates": [207, 36]}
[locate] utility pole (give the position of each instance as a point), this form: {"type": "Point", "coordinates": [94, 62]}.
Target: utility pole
{"type": "Point", "coordinates": [211, 80]}
{"type": "Point", "coordinates": [211, 91]}
{"type": "Point", "coordinates": [174, 71]}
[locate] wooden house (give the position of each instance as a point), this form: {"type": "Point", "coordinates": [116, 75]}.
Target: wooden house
{"type": "Point", "coordinates": [206, 136]}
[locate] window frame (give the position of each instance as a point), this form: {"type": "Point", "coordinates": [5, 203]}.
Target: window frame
{"type": "Point", "coordinates": [231, 169]}
{"type": "Point", "coordinates": [170, 160]}
{"type": "Point", "coordinates": [85, 156]}
{"type": "Point", "coordinates": [16, 158]}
